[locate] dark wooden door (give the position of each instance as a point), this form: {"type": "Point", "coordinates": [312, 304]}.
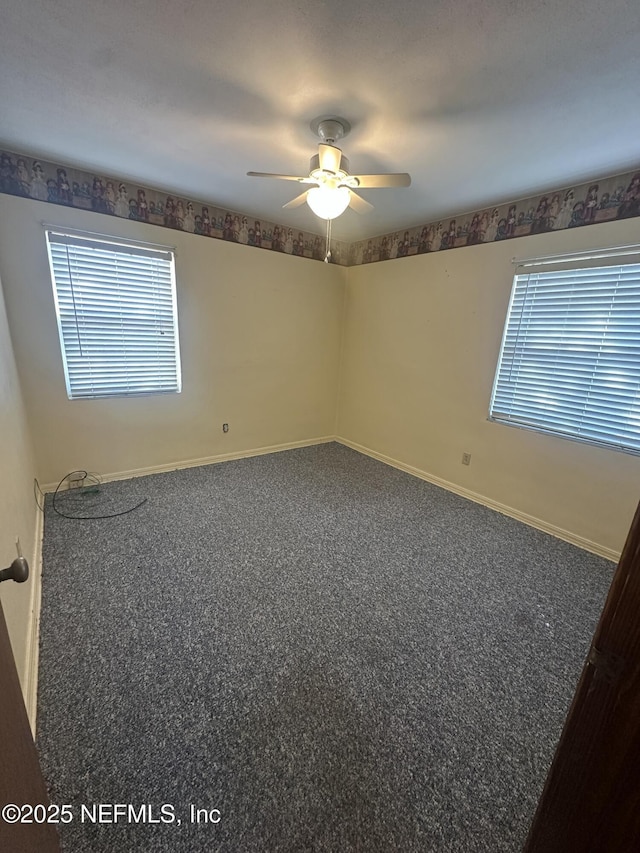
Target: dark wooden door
{"type": "Point", "coordinates": [21, 781]}
{"type": "Point", "coordinates": [591, 800]}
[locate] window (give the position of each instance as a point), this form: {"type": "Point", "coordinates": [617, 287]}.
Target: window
{"type": "Point", "coordinates": [570, 357]}
{"type": "Point", "coordinates": [116, 310]}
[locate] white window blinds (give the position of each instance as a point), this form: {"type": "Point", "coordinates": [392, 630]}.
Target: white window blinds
{"type": "Point", "coordinates": [570, 357]}
{"type": "Point", "coordinates": [116, 309]}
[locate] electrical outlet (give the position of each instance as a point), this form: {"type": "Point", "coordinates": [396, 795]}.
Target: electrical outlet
{"type": "Point", "coordinates": [225, 427]}
{"type": "Point", "coordinates": [466, 459]}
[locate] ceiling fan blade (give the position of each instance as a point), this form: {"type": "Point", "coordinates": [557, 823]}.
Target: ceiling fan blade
{"type": "Point", "coordinates": [329, 157]}
{"type": "Point", "coordinates": [358, 203]}
{"type": "Point", "coordinates": [297, 201]}
{"type": "Point", "coordinates": [399, 179]}
{"type": "Point", "coordinates": [282, 177]}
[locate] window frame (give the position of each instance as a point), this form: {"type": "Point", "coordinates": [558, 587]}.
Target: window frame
{"type": "Point", "coordinates": [575, 266]}
{"type": "Point", "coordinates": [56, 235]}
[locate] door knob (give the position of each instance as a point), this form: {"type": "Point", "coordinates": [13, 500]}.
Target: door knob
{"type": "Point", "coordinates": [18, 571]}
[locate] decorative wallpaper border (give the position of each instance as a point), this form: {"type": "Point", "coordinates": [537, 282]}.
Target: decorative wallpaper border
{"type": "Point", "coordinates": [594, 201]}
{"type": "Point", "coordinates": [38, 179]}
{"type": "Point", "coordinates": [603, 200]}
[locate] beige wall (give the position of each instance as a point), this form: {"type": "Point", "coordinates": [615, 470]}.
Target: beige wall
{"type": "Point", "coordinates": [259, 335]}
{"type": "Point", "coordinates": [421, 342]}
{"type": "Point", "coordinates": [17, 505]}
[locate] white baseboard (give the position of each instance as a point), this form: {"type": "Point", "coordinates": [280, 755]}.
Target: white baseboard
{"type": "Point", "coordinates": [33, 635]}
{"type": "Point", "coordinates": [205, 460]}
{"type": "Point", "coordinates": [531, 520]}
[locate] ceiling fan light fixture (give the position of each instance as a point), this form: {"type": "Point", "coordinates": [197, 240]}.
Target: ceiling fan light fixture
{"type": "Point", "coordinates": [328, 202]}
{"type": "Point", "coordinates": [329, 174]}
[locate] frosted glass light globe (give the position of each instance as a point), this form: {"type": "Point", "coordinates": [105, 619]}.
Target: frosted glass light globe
{"type": "Point", "coordinates": [328, 202]}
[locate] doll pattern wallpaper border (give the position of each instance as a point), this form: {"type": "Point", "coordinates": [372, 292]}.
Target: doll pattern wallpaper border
{"type": "Point", "coordinates": [38, 179]}
{"type": "Point", "coordinates": [603, 200]}
{"type": "Point", "coordinates": [594, 201]}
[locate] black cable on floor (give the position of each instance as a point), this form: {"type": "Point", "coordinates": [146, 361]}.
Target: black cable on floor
{"type": "Point", "coordinates": [83, 476]}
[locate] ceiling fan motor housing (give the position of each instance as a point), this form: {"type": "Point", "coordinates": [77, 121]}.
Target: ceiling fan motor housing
{"type": "Point", "coordinates": [314, 164]}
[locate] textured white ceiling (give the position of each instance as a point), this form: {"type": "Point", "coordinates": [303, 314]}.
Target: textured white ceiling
{"type": "Point", "coordinates": [481, 102]}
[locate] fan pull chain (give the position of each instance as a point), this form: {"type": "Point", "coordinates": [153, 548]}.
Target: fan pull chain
{"type": "Point", "coordinates": [327, 255]}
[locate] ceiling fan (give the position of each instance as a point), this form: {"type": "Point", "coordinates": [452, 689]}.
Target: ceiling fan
{"type": "Point", "coordinates": [332, 187]}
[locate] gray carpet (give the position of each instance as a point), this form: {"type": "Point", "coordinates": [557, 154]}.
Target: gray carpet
{"type": "Point", "coordinates": [335, 655]}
